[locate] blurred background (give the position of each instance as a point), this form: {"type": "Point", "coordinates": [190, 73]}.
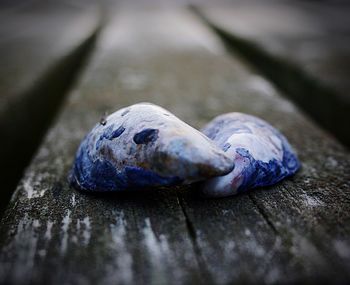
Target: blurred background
{"type": "Point", "coordinates": [302, 47]}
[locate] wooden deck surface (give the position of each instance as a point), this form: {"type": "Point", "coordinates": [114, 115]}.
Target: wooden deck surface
{"type": "Point", "coordinates": [296, 231]}
{"type": "Point", "coordinates": [42, 47]}
{"type": "Point", "coordinates": [301, 46]}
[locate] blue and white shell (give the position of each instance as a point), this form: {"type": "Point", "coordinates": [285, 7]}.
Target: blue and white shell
{"type": "Point", "coordinates": [143, 146]}
{"type": "Point", "coordinates": [262, 155]}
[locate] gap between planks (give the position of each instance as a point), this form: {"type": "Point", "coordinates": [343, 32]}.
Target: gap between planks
{"type": "Point", "coordinates": [42, 109]}
{"type": "Point", "coordinates": [331, 112]}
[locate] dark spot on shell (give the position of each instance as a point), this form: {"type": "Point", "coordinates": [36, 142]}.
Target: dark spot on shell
{"type": "Point", "coordinates": [109, 134]}
{"type": "Point", "coordinates": [146, 136]}
{"type": "Point", "coordinates": [226, 147]}
{"type": "Point", "coordinates": [116, 133]}
{"type": "Point", "coordinates": [165, 114]}
{"type": "Point", "coordinates": [125, 112]}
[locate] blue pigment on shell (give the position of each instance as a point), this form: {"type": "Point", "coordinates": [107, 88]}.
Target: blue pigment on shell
{"type": "Point", "coordinates": [102, 176]}
{"type": "Point", "coordinates": [134, 149]}
{"type": "Point", "coordinates": [110, 134]}
{"type": "Point", "coordinates": [260, 174]}
{"type": "Point", "coordinates": [262, 155]}
{"type": "Point", "coordinates": [146, 136]}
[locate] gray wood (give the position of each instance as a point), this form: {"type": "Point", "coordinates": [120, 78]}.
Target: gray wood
{"type": "Point", "coordinates": [295, 231]}
{"type": "Point", "coordinates": [303, 46]}
{"type": "Point", "coordinates": [42, 47]}
{"type": "Point", "coordinates": [77, 238]}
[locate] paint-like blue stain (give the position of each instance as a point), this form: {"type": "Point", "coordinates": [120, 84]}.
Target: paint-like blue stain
{"type": "Point", "coordinates": [102, 176]}
{"type": "Point", "coordinates": [116, 133]}
{"type": "Point", "coordinates": [258, 173]}
{"type": "Point", "coordinates": [146, 136]}
{"type": "Point", "coordinates": [110, 134]}
{"type": "Point", "coordinates": [141, 178]}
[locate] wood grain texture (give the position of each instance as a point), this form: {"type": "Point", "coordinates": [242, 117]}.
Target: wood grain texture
{"type": "Point", "coordinates": [295, 231]}
{"type": "Point", "coordinates": [302, 46]}
{"type": "Point", "coordinates": [315, 35]}
{"type": "Point", "coordinates": [42, 47]}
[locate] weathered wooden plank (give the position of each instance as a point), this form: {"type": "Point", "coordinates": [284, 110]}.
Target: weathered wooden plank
{"type": "Point", "coordinates": [313, 34]}
{"type": "Point", "coordinates": [42, 47]}
{"type": "Point", "coordinates": [296, 229]}
{"type": "Point", "coordinates": [52, 233]}
{"type": "Point", "coordinates": [299, 244]}
{"type": "Point", "coordinates": [302, 46]}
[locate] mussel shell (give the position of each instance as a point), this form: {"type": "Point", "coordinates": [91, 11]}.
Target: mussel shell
{"type": "Point", "coordinates": [144, 146]}
{"type": "Point", "coordinates": [262, 155]}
